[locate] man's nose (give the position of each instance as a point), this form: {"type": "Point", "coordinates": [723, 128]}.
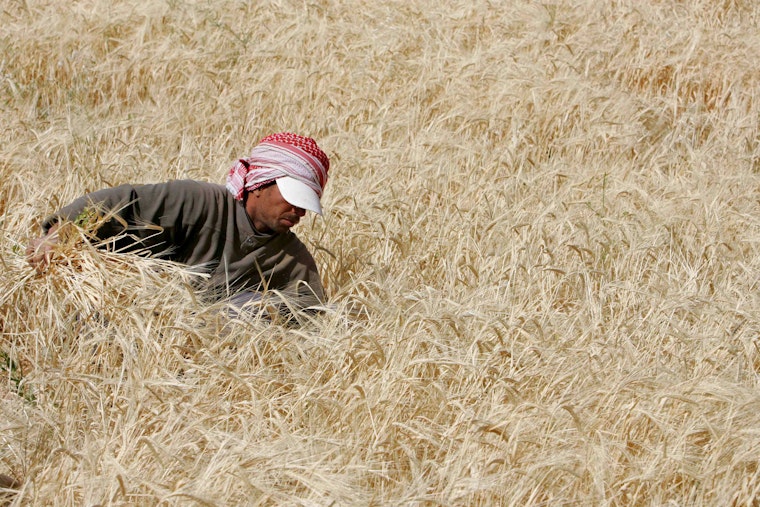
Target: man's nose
{"type": "Point", "coordinates": [299, 211]}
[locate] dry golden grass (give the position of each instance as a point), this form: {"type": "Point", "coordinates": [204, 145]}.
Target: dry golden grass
{"type": "Point", "coordinates": [548, 217]}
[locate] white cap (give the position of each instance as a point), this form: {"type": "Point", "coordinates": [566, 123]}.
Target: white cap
{"type": "Point", "coordinates": [299, 194]}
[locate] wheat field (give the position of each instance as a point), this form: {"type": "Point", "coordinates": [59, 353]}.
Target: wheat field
{"type": "Point", "coordinates": [541, 247]}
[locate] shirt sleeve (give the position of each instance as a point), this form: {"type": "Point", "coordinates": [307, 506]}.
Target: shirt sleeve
{"type": "Point", "coordinates": [100, 202]}
{"type": "Point", "coordinates": [137, 217]}
{"type": "Point", "coordinates": [304, 285]}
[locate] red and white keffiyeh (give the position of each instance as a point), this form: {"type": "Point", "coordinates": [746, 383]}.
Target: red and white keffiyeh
{"type": "Point", "coordinates": [280, 155]}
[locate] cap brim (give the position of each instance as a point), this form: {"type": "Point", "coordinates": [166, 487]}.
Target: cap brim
{"type": "Point", "coordinates": [299, 194]}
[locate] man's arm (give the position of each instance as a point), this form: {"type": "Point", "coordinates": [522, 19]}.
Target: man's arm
{"type": "Point", "coordinates": [145, 217]}
{"type": "Point", "coordinates": [119, 205]}
{"type": "Point", "coordinates": [304, 289]}
{"type": "Point", "coordinates": [39, 249]}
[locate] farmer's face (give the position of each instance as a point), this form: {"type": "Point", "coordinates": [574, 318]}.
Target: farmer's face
{"type": "Point", "coordinates": [269, 212]}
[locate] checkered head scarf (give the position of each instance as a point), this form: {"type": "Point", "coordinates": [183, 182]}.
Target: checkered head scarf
{"type": "Point", "coordinates": [277, 156]}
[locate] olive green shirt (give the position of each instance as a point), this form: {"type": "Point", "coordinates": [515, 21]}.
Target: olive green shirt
{"type": "Point", "coordinates": [201, 224]}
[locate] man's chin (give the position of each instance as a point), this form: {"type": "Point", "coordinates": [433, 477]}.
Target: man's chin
{"type": "Point", "coordinates": [287, 223]}
{"type": "Point", "coordinates": [281, 228]}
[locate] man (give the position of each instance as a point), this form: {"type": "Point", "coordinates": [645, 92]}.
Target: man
{"type": "Point", "coordinates": [240, 235]}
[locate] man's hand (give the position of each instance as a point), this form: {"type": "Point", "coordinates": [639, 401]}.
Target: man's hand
{"type": "Point", "coordinates": [39, 249]}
